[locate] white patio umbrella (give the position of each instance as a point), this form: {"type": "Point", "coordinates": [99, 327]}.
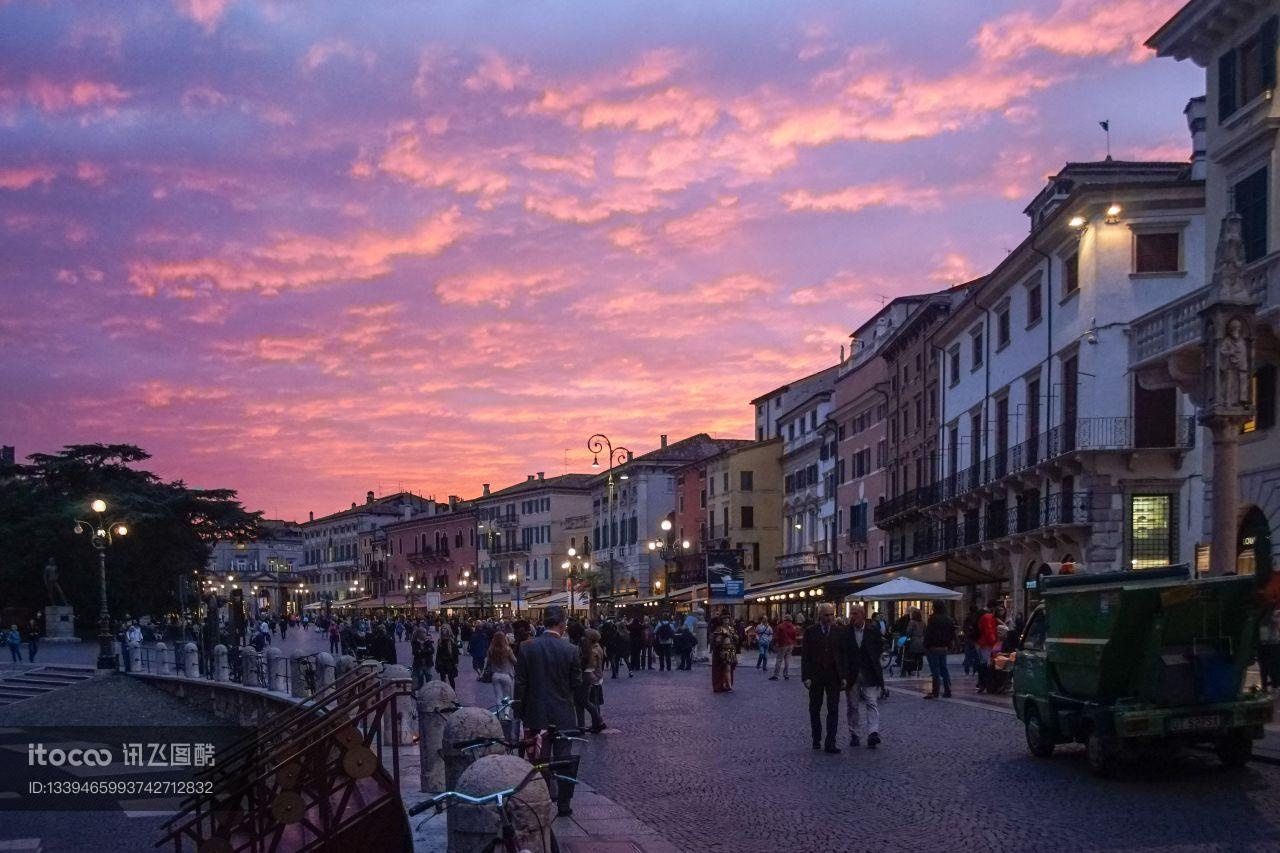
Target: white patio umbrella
{"type": "Point", "coordinates": [904, 589]}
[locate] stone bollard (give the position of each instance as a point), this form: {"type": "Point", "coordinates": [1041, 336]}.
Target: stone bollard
{"type": "Point", "coordinates": [395, 677]}
{"type": "Point", "coordinates": [324, 670]}
{"type": "Point", "coordinates": [134, 663]}
{"type": "Point", "coordinates": [299, 666]}
{"type": "Point", "coordinates": [345, 664]}
{"type": "Point", "coordinates": [467, 724]}
{"type": "Point", "coordinates": [277, 670]}
{"type": "Point", "coordinates": [473, 828]}
{"type": "Point", "coordinates": [221, 667]}
{"type": "Point", "coordinates": [166, 662]}
{"type": "Point", "coordinates": [249, 675]}
{"type": "Point", "coordinates": [436, 701]}
{"type": "Point", "coordinates": [191, 660]}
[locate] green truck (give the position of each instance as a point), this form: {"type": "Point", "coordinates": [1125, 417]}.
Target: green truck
{"type": "Point", "coordinates": [1134, 662]}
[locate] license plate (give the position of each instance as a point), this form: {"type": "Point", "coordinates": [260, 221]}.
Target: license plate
{"type": "Point", "coordinates": [1191, 724]}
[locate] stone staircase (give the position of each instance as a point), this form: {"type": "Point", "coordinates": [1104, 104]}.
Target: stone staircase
{"type": "Point", "coordinates": [16, 685]}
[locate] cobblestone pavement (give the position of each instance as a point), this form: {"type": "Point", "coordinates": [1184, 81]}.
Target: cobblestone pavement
{"type": "Point", "coordinates": [734, 772]}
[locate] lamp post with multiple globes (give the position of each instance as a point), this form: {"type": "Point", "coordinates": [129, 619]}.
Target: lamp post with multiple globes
{"type": "Point", "coordinates": [101, 534]}
{"type": "Point", "coordinates": [668, 548]}
{"type": "Point", "coordinates": [575, 565]}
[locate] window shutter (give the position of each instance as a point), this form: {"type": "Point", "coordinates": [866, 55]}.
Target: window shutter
{"type": "Point", "coordinates": [1226, 85]}
{"type": "Point", "coordinates": [1267, 46]}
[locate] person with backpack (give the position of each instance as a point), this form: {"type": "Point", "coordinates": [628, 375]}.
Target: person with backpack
{"type": "Point", "coordinates": [664, 638]}
{"type": "Point", "coordinates": [684, 644]}
{"type": "Point", "coordinates": [764, 638]}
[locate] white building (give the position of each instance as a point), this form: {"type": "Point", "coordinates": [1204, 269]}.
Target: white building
{"type": "Point", "coordinates": [1051, 452]}
{"type": "Point", "coordinates": [1238, 155]}
{"type": "Point", "coordinates": [628, 507]}
{"type": "Point", "coordinates": [526, 529]}
{"type": "Point", "coordinates": [331, 557]}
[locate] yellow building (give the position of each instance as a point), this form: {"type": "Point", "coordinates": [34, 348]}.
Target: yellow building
{"type": "Point", "coordinates": [744, 506]}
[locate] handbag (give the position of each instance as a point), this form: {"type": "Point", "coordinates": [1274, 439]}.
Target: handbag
{"type": "Point", "coordinates": [486, 674]}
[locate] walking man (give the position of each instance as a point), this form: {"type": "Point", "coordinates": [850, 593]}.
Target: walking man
{"type": "Point", "coordinates": [664, 637]}
{"type": "Point", "coordinates": [784, 642]}
{"type": "Point", "coordinates": [864, 678]}
{"type": "Point", "coordinates": [821, 673]}
{"type": "Point", "coordinates": [548, 676]}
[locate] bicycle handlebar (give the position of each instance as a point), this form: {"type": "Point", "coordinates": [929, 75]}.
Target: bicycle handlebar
{"type": "Point", "coordinates": [437, 802]}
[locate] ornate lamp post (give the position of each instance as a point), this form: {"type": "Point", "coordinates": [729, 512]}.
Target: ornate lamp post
{"type": "Point", "coordinates": [102, 533]}
{"type": "Point", "coordinates": [669, 549]}
{"type": "Point", "coordinates": [614, 456]}
{"type": "Point", "coordinates": [575, 565]}
{"type": "Point", "coordinates": [513, 580]}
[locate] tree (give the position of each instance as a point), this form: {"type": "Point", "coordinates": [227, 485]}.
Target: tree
{"type": "Point", "coordinates": [171, 529]}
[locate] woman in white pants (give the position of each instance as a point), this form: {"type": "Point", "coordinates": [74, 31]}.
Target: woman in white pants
{"type": "Point", "coordinates": [501, 662]}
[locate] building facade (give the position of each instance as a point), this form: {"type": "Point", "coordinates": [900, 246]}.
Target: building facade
{"type": "Point", "coordinates": [744, 506]}
{"type": "Point", "coordinates": [333, 563]}
{"type": "Point", "coordinates": [808, 465]}
{"type": "Point", "coordinates": [430, 552]}
{"type": "Point", "coordinates": [526, 529]}
{"type": "Point", "coordinates": [1238, 155]}
{"type": "Point", "coordinates": [1050, 453]}
{"type": "Point", "coordinates": [859, 415]}
{"type": "Point", "coordinates": [628, 505]}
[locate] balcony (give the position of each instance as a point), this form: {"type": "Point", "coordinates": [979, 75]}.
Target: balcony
{"type": "Point", "coordinates": [1083, 435]}
{"type": "Point", "coordinates": [797, 565]}
{"type": "Point", "coordinates": [1175, 328]}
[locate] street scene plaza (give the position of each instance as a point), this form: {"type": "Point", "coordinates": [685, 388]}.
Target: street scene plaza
{"type": "Point", "coordinates": [688, 427]}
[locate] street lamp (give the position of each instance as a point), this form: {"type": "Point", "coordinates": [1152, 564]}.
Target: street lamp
{"type": "Point", "coordinates": [574, 566]}
{"type": "Point", "coordinates": [668, 548]}
{"type": "Point", "coordinates": [513, 580]}
{"type": "Point", "coordinates": [102, 534]}
{"type": "Point", "coordinates": [597, 444]}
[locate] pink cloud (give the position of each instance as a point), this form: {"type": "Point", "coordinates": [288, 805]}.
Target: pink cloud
{"type": "Point", "coordinates": [954, 268]}
{"type": "Point", "coordinates": [496, 73]}
{"type": "Point", "coordinates": [587, 211]}
{"type": "Point", "coordinates": [22, 177]}
{"type": "Point", "coordinates": [206, 13]}
{"type": "Point", "coordinates": [411, 158]}
{"type": "Point", "coordinates": [499, 288]}
{"type": "Point", "coordinates": [705, 228]}
{"type": "Point", "coordinates": [855, 198]}
{"type": "Point", "coordinates": [59, 96]}
{"type": "Point", "coordinates": [324, 51]}
{"type": "Point", "coordinates": [673, 108]}
{"type": "Point", "coordinates": [302, 261]}
{"type": "Point", "coordinates": [1078, 28]}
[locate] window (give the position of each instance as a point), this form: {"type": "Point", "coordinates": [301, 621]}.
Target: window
{"type": "Point", "coordinates": [1034, 636]}
{"type": "Point", "coordinates": [748, 517]}
{"type": "Point", "coordinates": [975, 346]}
{"type": "Point", "coordinates": [791, 430]}
{"type": "Point", "coordinates": [726, 482]}
{"type": "Point", "coordinates": [1251, 204]}
{"type": "Point", "coordinates": [953, 364]}
{"type": "Point", "coordinates": [1002, 327]}
{"type": "Point", "coordinates": [1152, 531]}
{"type": "Point", "coordinates": [1157, 252]}
{"type": "Point", "coordinates": [1071, 275]}
{"type": "Point", "coordinates": [1245, 72]}
{"type": "Point", "coordinates": [725, 517]}
{"type": "Point", "coordinates": [1034, 304]}
{"type": "Point", "coordinates": [747, 481]}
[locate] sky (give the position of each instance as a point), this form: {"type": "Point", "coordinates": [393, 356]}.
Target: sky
{"type": "Point", "coordinates": [306, 250]}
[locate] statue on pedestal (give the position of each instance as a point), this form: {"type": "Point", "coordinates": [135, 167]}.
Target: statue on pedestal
{"type": "Point", "coordinates": [51, 587]}
{"type": "Point", "coordinates": [1233, 368]}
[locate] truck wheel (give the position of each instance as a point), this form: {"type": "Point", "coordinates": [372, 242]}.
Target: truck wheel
{"type": "Point", "coordinates": [1039, 741]}
{"type": "Point", "coordinates": [1235, 748]}
{"type": "Point", "coordinates": [1103, 753]}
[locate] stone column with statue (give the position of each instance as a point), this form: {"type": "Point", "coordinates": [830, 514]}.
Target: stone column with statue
{"type": "Point", "coordinates": [59, 616]}
{"type": "Point", "coordinates": [1227, 322]}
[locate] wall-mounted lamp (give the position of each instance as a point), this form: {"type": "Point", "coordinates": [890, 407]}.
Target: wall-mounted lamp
{"type": "Point", "coordinates": [1079, 224]}
{"type": "Point", "coordinates": [1113, 214]}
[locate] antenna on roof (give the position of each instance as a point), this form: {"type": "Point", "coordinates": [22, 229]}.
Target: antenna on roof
{"type": "Point", "coordinates": [1105, 124]}
{"type": "Point", "coordinates": [883, 299]}
{"type": "Point", "coordinates": [566, 460]}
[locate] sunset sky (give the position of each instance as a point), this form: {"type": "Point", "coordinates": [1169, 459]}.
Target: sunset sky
{"type": "Point", "coordinates": [305, 250]}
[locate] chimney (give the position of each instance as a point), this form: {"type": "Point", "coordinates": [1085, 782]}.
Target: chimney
{"type": "Point", "coordinates": [529, 478]}
{"type": "Point", "coordinates": [662, 440]}
{"type": "Point", "coordinates": [486, 489]}
{"type": "Point", "coordinates": [842, 353]}
{"type": "Point", "coordinates": [368, 497]}
{"type": "Point", "coordinates": [631, 455]}
{"type": "Point", "coordinates": [311, 515]}
{"type": "Point", "coordinates": [542, 475]}
{"type": "Point", "coordinates": [406, 512]}
{"type": "Point", "coordinates": [1196, 113]}
{"type": "Point", "coordinates": [353, 504]}
{"type": "Point", "coordinates": [453, 502]}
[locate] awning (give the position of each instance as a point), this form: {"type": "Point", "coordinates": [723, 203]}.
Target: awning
{"type": "Point", "coordinates": [937, 570]}
{"type": "Point", "coordinates": [791, 588]}
{"type": "Point", "coordinates": [904, 589]}
{"type": "Point", "coordinates": [560, 599]}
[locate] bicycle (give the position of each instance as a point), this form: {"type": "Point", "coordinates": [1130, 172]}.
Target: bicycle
{"type": "Point", "coordinates": [502, 798]}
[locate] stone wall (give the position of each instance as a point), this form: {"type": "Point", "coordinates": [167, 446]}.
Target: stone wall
{"type": "Point", "coordinates": [243, 706]}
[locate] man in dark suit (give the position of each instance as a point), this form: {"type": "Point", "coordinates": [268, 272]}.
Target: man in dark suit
{"type": "Point", "coordinates": [860, 646]}
{"type": "Point", "coordinates": [822, 676]}
{"type": "Point", "coordinates": [548, 673]}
